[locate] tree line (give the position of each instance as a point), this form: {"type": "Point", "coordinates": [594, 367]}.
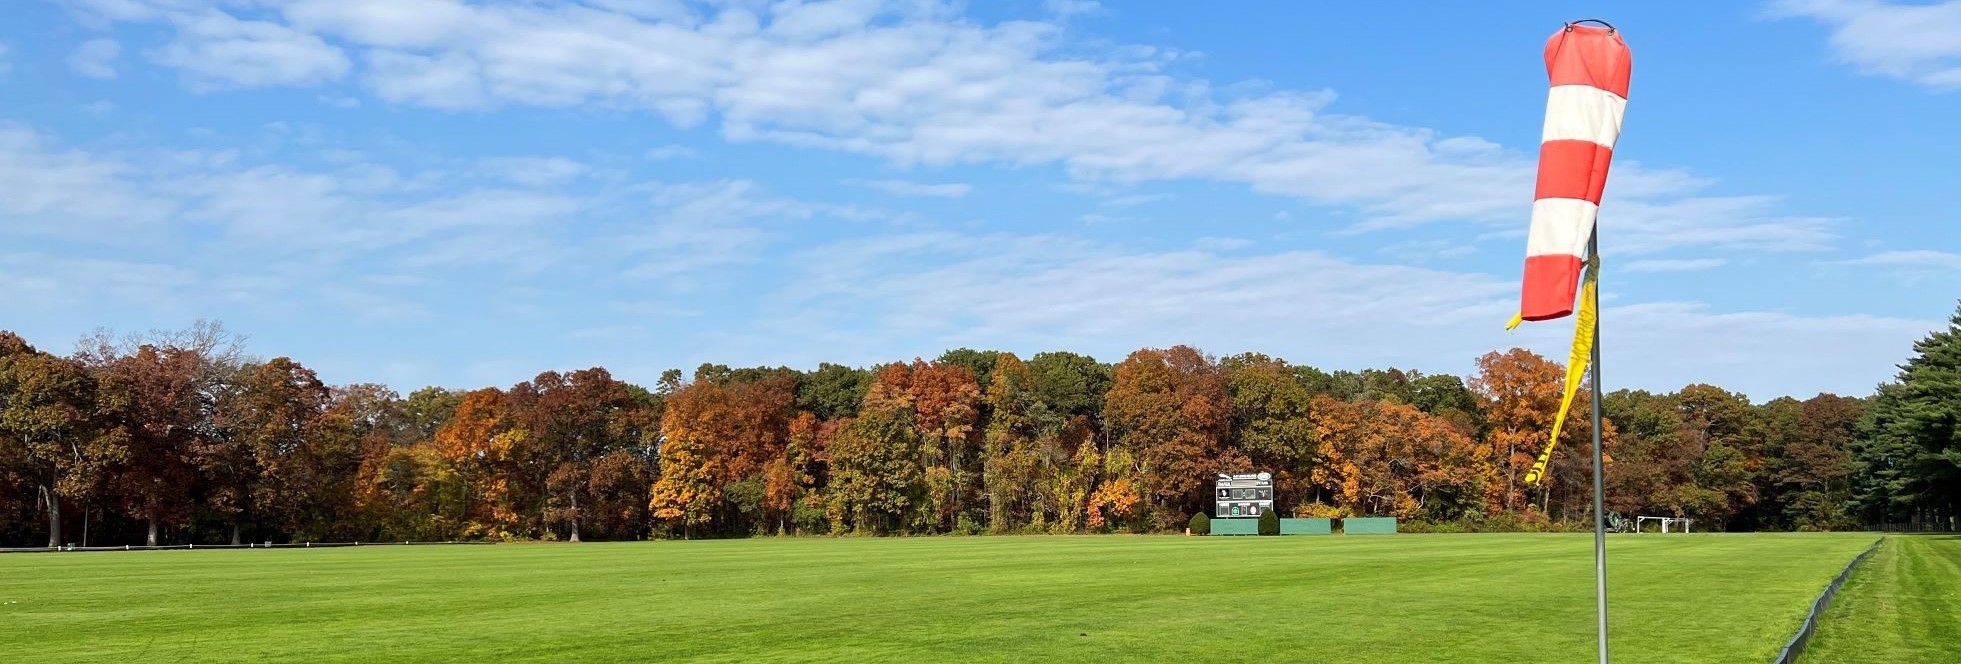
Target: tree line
{"type": "Point", "coordinates": [181, 437]}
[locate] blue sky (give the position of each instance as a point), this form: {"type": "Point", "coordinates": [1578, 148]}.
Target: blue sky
{"type": "Point", "coordinates": [465, 194]}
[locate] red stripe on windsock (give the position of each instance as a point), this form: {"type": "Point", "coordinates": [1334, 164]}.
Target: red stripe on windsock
{"type": "Point", "coordinates": [1573, 169]}
{"type": "Point", "coordinates": [1574, 155]}
{"type": "Point", "coordinates": [1549, 281]}
{"type": "Point", "coordinates": [1589, 55]}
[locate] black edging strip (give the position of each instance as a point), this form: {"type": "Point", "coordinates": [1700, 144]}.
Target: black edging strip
{"type": "Point", "coordinates": [170, 547]}
{"type": "Point", "coordinates": [1795, 648]}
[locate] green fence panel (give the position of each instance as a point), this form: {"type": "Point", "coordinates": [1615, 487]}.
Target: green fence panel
{"type": "Point", "coordinates": [1369, 526]}
{"type": "Point", "coordinates": [1235, 526]}
{"type": "Point", "coordinates": [1306, 526]}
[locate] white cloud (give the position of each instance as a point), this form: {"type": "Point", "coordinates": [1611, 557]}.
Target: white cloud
{"type": "Point", "coordinates": [913, 83]}
{"type": "Point", "coordinates": [1221, 244]}
{"type": "Point", "coordinates": [1916, 258]}
{"type": "Point", "coordinates": [667, 152]}
{"type": "Point", "coordinates": [72, 193]}
{"type": "Point", "coordinates": [907, 188]}
{"type": "Point", "coordinates": [1424, 251]}
{"type": "Point", "coordinates": [1133, 200]}
{"type": "Point", "coordinates": [1067, 8]}
{"type": "Point", "coordinates": [536, 172]}
{"type": "Point", "coordinates": [900, 295]}
{"type": "Point", "coordinates": [1751, 223]}
{"type": "Point", "coordinates": [703, 225]}
{"type": "Point", "coordinates": [448, 81]}
{"type": "Point", "coordinates": [95, 58]}
{"type": "Point", "coordinates": [216, 49]}
{"type": "Point", "coordinates": [1914, 42]}
{"type": "Point", "coordinates": [1674, 265]}
{"type": "Point", "coordinates": [37, 282]}
{"type": "Point", "coordinates": [1761, 353]}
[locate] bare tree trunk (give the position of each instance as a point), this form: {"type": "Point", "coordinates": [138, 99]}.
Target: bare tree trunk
{"type": "Point", "coordinates": [54, 515]}
{"type": "Point", "coordinates": [152, 539]}
{"type": "Point", "coordinates": [575, 515]}
{"type": "Point", "coordinates": [234, 534]}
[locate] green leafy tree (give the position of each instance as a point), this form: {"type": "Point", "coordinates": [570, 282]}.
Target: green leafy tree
{"type": "Point", "coordinates": [1070, 385]}
{"type": "Point", "coordinates": [877, 483]}
{"type": "Point", "coordinates": [833, 391]}
{"type": "Point", "coordinates": [1909, 455]}
{"type": "Point", "coordinates": [1272, 422]}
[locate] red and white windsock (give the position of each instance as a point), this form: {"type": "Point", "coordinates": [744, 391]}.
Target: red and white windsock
{"type": "Point", "coordinates": [1589, 68]}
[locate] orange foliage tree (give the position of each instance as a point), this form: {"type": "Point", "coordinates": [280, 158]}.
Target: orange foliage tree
{"type": "Point", "coordinates": [1169, 412]}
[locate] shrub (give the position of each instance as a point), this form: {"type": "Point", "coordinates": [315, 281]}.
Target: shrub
{"type": "Point", "coordinates": [1269, 523]}
{"type": "Point", "coordinates": [1200, 524]}
{"type": "Point", "coordinates": [1319, 510]}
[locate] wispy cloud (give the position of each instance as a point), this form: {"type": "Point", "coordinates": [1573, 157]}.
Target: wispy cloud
{"type": "Point", "coordinates": [1133, 200]}
{"type": "Point", "coordinates": [910, 82]}
{"type": "Point", "coordinates": [536, 171]}
{"type": "Point", "coordinates": [215, 49]}
{"type": "Point", "coordinates": [999, 291]}
{"type": "Point", "coordinates": [1914, 42]}
{"type": "Point", "coordinates": [95, 58]}
{"type": "Point", "coordinates": [1068, 8]}
{"type": "Point", "coordinates": [1920, 258]}
{"type": "Point", "coordinates": [909, 188]}
{"type": "Point", "coordinates": [666, 152]}
{"type": "Point", "coordinates": [1674, 264]}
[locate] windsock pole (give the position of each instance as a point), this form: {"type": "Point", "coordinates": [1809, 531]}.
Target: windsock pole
{"type": "Point", "coordinates": [1599, 512]}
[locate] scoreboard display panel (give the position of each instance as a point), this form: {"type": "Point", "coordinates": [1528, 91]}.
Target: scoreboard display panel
{"type": "Point", "coordinates": [1243, 495]}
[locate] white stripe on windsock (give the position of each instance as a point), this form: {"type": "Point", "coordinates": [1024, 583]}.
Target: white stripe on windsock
{"type": "Point", "coordinates": [1560, 226]}
{"type": "Point", "coordinates": [1583, 113]}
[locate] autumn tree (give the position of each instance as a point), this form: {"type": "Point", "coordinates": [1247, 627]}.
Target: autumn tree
{"type": "Point", "coordinates": [1393, 459]}
{"type": "Point", "coordinates": [1169, 411]}
{"type": "Point", "coordinates": [1011, 464]}
{"type": "Point", "coordinates": [152, 399]}
{"type": "Point", "coordinates": [1521, 393]}
{"type": "Point", "coordinates": [47, 423]}
{"type": "Point", "coordinates": [480, 441]}
{"type": "Point", "coordinates": [277, 456]}
{"type": "Point", "coordinates": [1808, 463]}
{"type": "Point", "coordinates": [571, 420]}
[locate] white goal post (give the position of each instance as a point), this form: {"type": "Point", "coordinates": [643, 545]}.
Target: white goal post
{"type": "Point", "coordinates": [1666, 522]}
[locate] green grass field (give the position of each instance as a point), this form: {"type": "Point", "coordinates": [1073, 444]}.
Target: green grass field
{"type": "Point", "coordinates": [1403, 598]}
{"type": "Point", "coordinates": [1903, 606]}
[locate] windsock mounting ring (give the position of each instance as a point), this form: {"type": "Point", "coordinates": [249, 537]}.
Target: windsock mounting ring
{"type": "Point", "coordinates": [1610, 27]}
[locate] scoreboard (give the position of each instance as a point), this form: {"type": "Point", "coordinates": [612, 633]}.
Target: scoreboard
{"type": "Point", "coordinates": [1243, 495]}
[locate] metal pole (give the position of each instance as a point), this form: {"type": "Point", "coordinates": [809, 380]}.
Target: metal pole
{"type": "Point", "coordinates": [1599, 513]}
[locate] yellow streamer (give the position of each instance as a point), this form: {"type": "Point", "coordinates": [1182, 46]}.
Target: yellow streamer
{"type": "Point", "coordinates": [1576, 364]}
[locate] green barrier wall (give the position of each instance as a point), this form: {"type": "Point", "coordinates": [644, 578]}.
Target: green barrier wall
{"type": "Point", "coordinates": [1369, 526]}
{"type": "Point", "coordinates": [1231, 526]}
{"type": "Point", "coordinates": [1306, 526]}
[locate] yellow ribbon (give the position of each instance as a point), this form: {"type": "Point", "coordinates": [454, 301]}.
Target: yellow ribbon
{"type": "Point", "coordinates": [1576, 364]}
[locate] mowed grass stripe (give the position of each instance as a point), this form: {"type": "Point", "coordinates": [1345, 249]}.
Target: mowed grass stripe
{"type": "Point", "coordinates": [1903, 606]}
{"type": "Point", "coordinates": [1436, 598]}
